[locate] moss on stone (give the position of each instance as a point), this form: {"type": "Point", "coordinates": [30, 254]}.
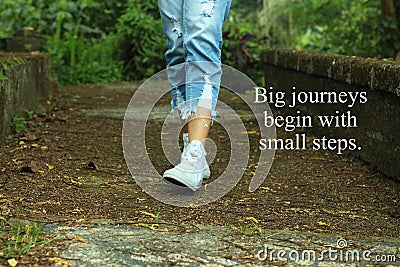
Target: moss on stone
{"type": "Point", "coordinates": [376, 74]}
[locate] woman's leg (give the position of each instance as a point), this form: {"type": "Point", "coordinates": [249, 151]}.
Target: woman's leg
{"type": "Point", "coordinates": [194, 34]}
{"type": "Point", "coordinates": [171, 12]}
{"type": "Point", "coordinates": [202, 36]}
{"type": "Point", "coordinates": [199, 126]}
{"type": "Point", "coordinates": [202, 40]}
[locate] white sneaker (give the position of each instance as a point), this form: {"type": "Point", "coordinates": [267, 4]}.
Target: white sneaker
{"type": "Point", "coordinates": [189, 172]}
{"type": "Point", "coordinates": [185, 137]}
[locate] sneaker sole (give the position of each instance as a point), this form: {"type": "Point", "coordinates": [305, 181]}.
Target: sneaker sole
{"type": "Point", "coordinates": [179, 180]}
{"type": "Point", "coordinates": [207, 173]}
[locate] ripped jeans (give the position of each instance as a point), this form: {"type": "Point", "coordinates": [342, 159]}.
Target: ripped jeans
{"type": "Point", "coordinates": [193, 29]}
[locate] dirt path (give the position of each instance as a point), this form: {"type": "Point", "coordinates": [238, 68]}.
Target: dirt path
{"type": "Point", "coordinates": [71, 171]}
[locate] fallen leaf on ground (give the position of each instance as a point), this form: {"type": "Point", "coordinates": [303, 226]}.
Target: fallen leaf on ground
{"type": "Point", "coordinates": [31, 167]}
{"type": "Point", "coordinates": [315, 158]}
{"type": "Point", "coordinates": [60, 261]}
{"type": "Point", "coordinates": [242, 256]}
{"type": "Point", "coordinates": [50, 167]}
{"type": "Point", "coordinates": [321, 223]}
{"type": "Point", "coordinates": [151, 226]}
{"type": "Point", "coordinates": [247, 199]}
{"type": "Point", "coordinates": [18, 161]}
{"type": "Point", "coordinates": [148, 213]}
{"type": "Point", "coordinates": [12, 262]}
{"type": "Point", "coordinates": [80, 239]}
{"type": "Point", "coordinates": [28, 137]}
{"type": "Point", "coordinates": [250, 132]}
{"type": "Point", "coordinates": [92, 165]}
{"type": "Point", "coordinates": [48, 202]}
{"type": "Point", "coordinates": [252, 219]}
{"type": "Point", "coordinates": [75, 182]}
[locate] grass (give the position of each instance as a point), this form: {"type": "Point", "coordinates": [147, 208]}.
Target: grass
{"type": "Point", "coordinates": [18, 238]}
{"type": "Point", "coordinates": [152, 222]}
{"type": "Point", "coordinates": [254, 230]}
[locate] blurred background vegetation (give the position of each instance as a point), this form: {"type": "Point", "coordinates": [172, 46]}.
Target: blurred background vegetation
{"type": "Point", "coordinates": [105, 41]}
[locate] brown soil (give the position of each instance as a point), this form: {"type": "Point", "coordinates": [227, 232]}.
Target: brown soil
{"type": "Point", "coordinates": [70, 169]}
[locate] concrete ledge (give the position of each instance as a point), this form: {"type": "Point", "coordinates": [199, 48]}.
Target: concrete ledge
{"type": "Point", "coordinates": [27, 82]}
{"type": "Point", "coordinates": [372, 73]}
{"type": "Point", "coordinates": [378, 120]}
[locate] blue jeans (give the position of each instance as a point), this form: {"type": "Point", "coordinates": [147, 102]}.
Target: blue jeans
{"type": "Point", "coordinates": [193, 29]}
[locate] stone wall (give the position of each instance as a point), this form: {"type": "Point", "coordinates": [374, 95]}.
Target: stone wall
{"type": "Point", "coordinates": [378, 120]}
{"type": "Point", "coordinates": [27, 82]}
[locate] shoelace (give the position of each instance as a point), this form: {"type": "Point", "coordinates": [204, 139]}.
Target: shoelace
{"type": "Point", "coordinates": [193, 153]}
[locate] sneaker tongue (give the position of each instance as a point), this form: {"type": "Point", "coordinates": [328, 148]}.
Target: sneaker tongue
{"type": "Point", "coordinates": [195, 149]}
{"type": "Point", "coordinates": [194, 152]}
{"type": "Point", "coordinates": [196, 144]}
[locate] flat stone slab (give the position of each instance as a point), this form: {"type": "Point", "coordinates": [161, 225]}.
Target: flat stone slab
{"type": "Point", "coordinates": [171, 245]}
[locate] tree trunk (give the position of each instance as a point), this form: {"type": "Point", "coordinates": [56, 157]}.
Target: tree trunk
{"type": "Point", "coordinates": [397, 6]}
{"type": "Point", "coordinates": [391, 9]}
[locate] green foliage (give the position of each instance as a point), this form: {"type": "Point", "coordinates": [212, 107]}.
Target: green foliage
{"type": "Point", "coordinates": [3, 77]}
{"type": "Point", "coordinates": [242, 50]}
{"type": "Point", "coordinates": [19, 121]}
{"type": "Point", "coordinates": [18, 124]}
{"type": "Point", "coordinates": [338, 26]}
{"type": "Point", "coordinates": [79, 35]}
{"type": "Point", "coordinates": [77, 56]}
{"type": "Point", "coordinates": [141, 30]}
{"type": "Point", "coordinates": [43, 15]}
{"type": "Point", "coordinates": [103, 41]}
{"type": "Point", "coordinates": [87, 60]}
{"type": "Point", "coordinates": [9, 61]}
{"type": "Point", "coordinates": [20, 238]}
{"type": "Point", "coordinates": [6, 62]}
{"type": "Point", "coordinates": [355, 30]}
{"type": "Point", "coordinates": [88, 38]}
